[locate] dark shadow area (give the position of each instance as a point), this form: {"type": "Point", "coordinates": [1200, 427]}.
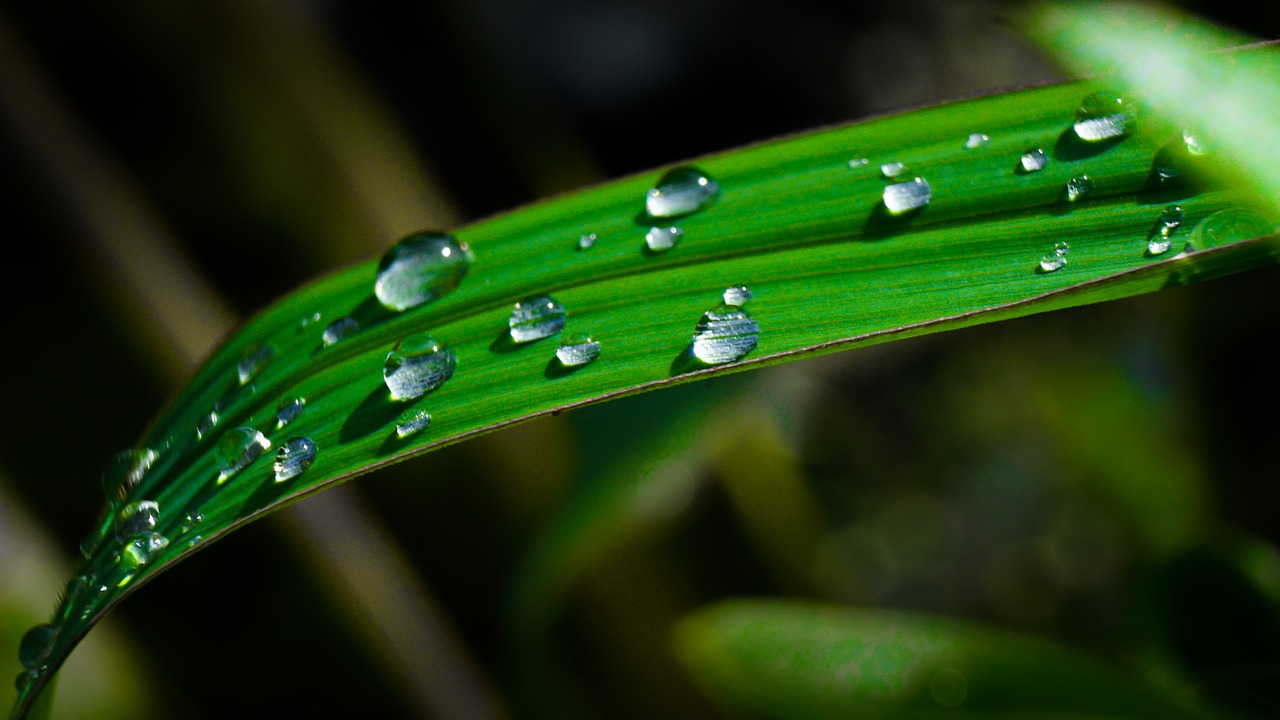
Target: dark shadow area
{"type": "Point", "coordinates": [556, 369]}
{"type": "Point", "coordinates": [686, 362]}
{"type": "Point", "coordinates": [374, 412]}
{"type": "Point", "coordinates": [504, 344]}
{"type": "Point", "coordinates": [1070, 147]}
{"type": "Point", "coordinates": [267, 492]}
{"type": "Point", "coordinates": [882, 224]}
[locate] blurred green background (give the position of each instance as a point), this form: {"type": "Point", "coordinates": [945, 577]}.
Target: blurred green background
{"type": "Point", "coordinates": [1103, 476]}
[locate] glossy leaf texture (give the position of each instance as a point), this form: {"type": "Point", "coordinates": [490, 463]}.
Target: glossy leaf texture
{"type": "Point", "coordinates": [831, 260]}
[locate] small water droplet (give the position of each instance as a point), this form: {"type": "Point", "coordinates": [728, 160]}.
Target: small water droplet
{"type": "Point", "coordinates": [660, 239]}
{"type": "Point", "coordinates": [1051, 263]}
{"type": "Point", "coordinates": [206, 424]}
{"type": "Point", "coordinates": [1160, 239]}
{"type": "Point", "coordinates": [892, 169]}
{"type": "Point", "coordinates": [136, 517]}
{"type": "Point", "coordinates": [419, 269]}
{"type": "Point", "coordinates": [141, 549]}
{"type": "Point", "coordinates": [535, 318]}
{"type": "Point", "coordinates": [237, 449]}
{"type": "Point", "coordinates": [578, 349]}
{"type": "Point", "coordinates": [858, 162]}
{"type": "Point", "coordinates": [1167, 166]}
{"type": "Point", "coordinates": [1194, 143]}
{"type": "Point", "coordinates": [418, 364]}
{"type": "Point", "coordinates": [909, 195]}
{"type": "Point", "coordinates": [724, 334]}
{"type": "Point", "coordinates": [976, 140]}
{"type": "Point", "coordinates": [412, 420]}
{"type": "Point", "coordinates": [254, 359]}
{"type": "Point", "coordinates": [1078, 187]}
{"type": "Point", "coordinates": [124, 471]}
{"type": "Point", "coordinates": [308, 320]}
{"type": "Point", "coordinates": [586, 240]}
{"type": "Point", "coordinates": [1104, 115]}
{"type": "Point", "coordinates": [1033, 160]}
{"type": "Point", "coordinates": [339, 330]}
{"type": "Point", "coordinates": [681, 191]}
{"type": "Point", "coordinates": [737, 295]}
{"type": "Point", "coordinates": [294, 457]}
{"type": "Point", "coordinates": [288, 409]}
{"type": "Point", "coordinates": [195, 541]}
{"type": "Point", "coordinates": [191, 520]}
{"type": "Point", "coordinates": [33, 651]}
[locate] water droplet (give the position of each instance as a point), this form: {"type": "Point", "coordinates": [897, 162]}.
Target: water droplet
{"type": "Point", "coordinates": [908, 195]}
{"type": "Point", "coordinates": [141, 549]}
{"type": "Point", "coordinates": [124, 471]}
{"type": "Point", "coordinates": [1228, 226]}
{"type": "Point", "coordinates": [308, 321]}
{"type": "Point", "coordinates": [578, 349]}
{"type": "Point", "coordinates": [254, 359]}
{"type": "Point", "coordinates": [681, 191]}
{"type": "Point", "coordinates": [737, 295]}
{"type": "Point", "coordinates": [1050, 263]}
{"type": "Point", "coordinates": [858, 162]}
{"type": "Point", "coordinates": [206, 424]}
{"type": "Point", "coordinates": [237, 449]}
{"type": "Point", "coordinates": [418, 364]}
{"type": "Point", "coordinates": [892, 169]}
{"type": "Point", "coordinates": [294, 457]}
{"type": "Point", "coordinates": [1033, 160]}
{"type": "Point", "coordinates": [191, 520]}
{"type": "Point", "coordinates": [1167, 166]}
{"type": "Point", "coordinates": [412, 420]}
{"type": "Point", "coordinates": [136, 517]}
{"type": "Point", "coordinates": [339, 330]}
{"type": "Point", "coordinates": [660, 239]}
{"type": "Point", "coordinates": [195, 541]}
{"type": "Point", "coordinates": [1194, 143]}
{"type": "Point", "coordinates": [1078, 187]}
{"type": "Point", "coordinates": [1160, 240]}
{"type": "Point", "coordinates": [1104, 115]}
{"type": "Point", "coordinates": [535, 318]}
{"type": "Point", "coordinates": [288, 409]}
{"type": "Point", "coordinates": [33, 651]}
{"type": "Point", "coordinates": [976, 140]}
{"type": "Point", "coordinates": [586, 240]}
{"type": "Point", "coordinates": [724, 334]}
{"type": "Point", "coordinates": [419, 269]}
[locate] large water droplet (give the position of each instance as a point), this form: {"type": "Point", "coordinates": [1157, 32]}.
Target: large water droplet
{"type": "Point", "coordinates": [339, 330]}
{"type": "Point", "coordinates": [412, 420]}
{"type": "Point", "coordinates": [902, 197]}
{"type": "Point", "coordinates": [892, 169]}
{"type": "Point", "coordinates": [724, 334]}
{"type": "Point", "coordinates": [578, 349]}
{"type": "Point", "coordinates": [237, 449]}
{"type": "Point", "coordinates": [294, 457]}
{"type": "Point", "coordinates": [1104, 115]}
{"type": "Point", "coordinates": [141, 549]}
{"type": "Point", "coordinates": [976, 140]}
{"type": "Point", "coordinates": [737, 295]}
{"type": "Point", "coordinates": [1078, 187]}
{"type": "Point", "coordinates": [288, 409]}
{"type": "Point", "coordinates": [136, 517]}
{"type": "Point", "coordinates": [586, 240]}
{"type": "Point", "coordinates": [124, 471]}
{"type": "Point", "coordinates": [660, 239]}
{"type": "Point", "coordinates": [33, 651]}
{"type": "Point", "coordinates": [1033, 160]}
{"type": "Point", "coordinates": [681, 191]}
{"type": "Point", "coordinates": [254, 359]}
{"type": "Point", "coordinates": [419, 269]}
{"type": "Point", "coordinates": [418, 364]}
{"type": "Point", "coordinates": [535, 318]}
{"type": "Point", "coordinates": [1161, 236]}
{"type": "Point", "coordinates": [1054, 262]}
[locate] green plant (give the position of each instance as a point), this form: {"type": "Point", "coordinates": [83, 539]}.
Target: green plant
{"type": "Point", "coordinates": [786, 223]}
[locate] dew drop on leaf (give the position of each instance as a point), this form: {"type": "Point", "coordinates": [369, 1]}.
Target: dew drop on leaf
{"type": "Point", "coordinates": [136, 517]}
{"type": "Point", "coordinates": [294, 457]}
{"type": "Point", "coordinates": [33, 651]}
{"type": "Point", "coordinates": [124, 471]}
{"type": "Point", "coordinates": [418, 364]}
{"type": "Point", "coordinates": [253, 361]}
{"type": "Point", "coordinates": [1078, 187]}
{"type": "Point", "coordinates": [535, 318]}
{"type": "Point", "coordinates": [1161, 237]}
{"type": "Point", "coordinates": [411, 421]}
{"type": "Point", "coordinates": [586, 240]}
{"type": "Point", "coordinates": [724, 334]}
{"type": "Point", "coordinates": [578, 349]}
{"type": "Point", "coordinates": [681, 191]}
{"type": "Point", "coordinates": [737, 295]}
{"type": "Point", "coordinates": [1054, 262]}
{"type": "Point", "coordinates": [191, 521]}
{"type": "Point", "coordinates": [419, 269]}
{"type": "Point", "coordinates": [661, 239]}
{"type": "Point", "coordinates": [141, 549]}
{"type": "Point", "coordinates": [892, 169]}
{"type": "Point", "coordinates": [905, 196]}
{"type": "Point", "coordinates": [288, 409]}
{"type": "Point", "coordinates": [976, 140]}
{"type": "Point", "coordinates": [1033, 160]}
{"type": "Point", "coordinates": [237, 449]}
{"type": "Point", "coordinates": [339, 330]}
{"type": "Point", "coordinates": [1104, 115]}
{"type": "Point", "coordinates": [206, 424]}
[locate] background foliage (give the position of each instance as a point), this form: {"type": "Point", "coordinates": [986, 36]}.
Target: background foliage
{"type": "Point", "coordinates": [1097, 475]}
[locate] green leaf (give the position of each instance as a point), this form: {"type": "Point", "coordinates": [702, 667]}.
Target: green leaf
{"type": "Point", "coordinates": [830, 269]}
{"type": "Point", "coordinates": [787, 659]}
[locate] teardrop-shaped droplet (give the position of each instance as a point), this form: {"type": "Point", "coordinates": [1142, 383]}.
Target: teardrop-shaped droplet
{"type": "Point", "coordinates": [412, 420]}
{"type": "Point", "coordinates": [136, 517]}
{"type": "Point", "coordinates": [36, 645]}
{"type": "Point", "coordinates": [288, 409]}
{"type": "Point", "coordinates": [724, 334]}
{"type": "Point", "coordinates": [535, 318]}
{"type": "Point", "coordinates": [905, 196]}
{"type": "Point", "coordinates": [892, 169]}
{"type": "Point", "coordinates": [578, 349]}
{"type": "Point", "coordinates": [237, 449]}
{"type": "Point", "coordinates": [1104, 115]}
{"type": "Point", "coordinates": [976, 140]}
{"type": "Point", "coordinates": [206, 424]}
{"type": "Point", "coordinates": [737, 295]}
{"type": "Point", "coordinates": [294, 457]}
{"type": "Point", "coordinates": [586, 240]}
{"type": "Point", "coordinates": [339, 330]}
{"type": "Point", "coordinates": [254, 359]}
{"type": "Point", "coordinates": [191, 521]}
{"type": "Point", "coordinates": [418, 364]}
{"type": "Point", "coordinates": [141, 549]}
{"type": "Point", "coordinates": [1161, 236]}
{"type": "Point", "coordinates": [124, 471]}
{"type": "Point", "coordinates": [419, 269]}
{"type": "Point", "coordinates": [1078, 187]}
{"type": "Point", "coordinates": [1033, 160]}
{"type": "Point", "coordinates": [1194, 143]}
{"type": "Point", "coordinates": [681, 191]}
{"type": "Point", "coordinates": [660, 239]}
{"type": "Point", "coordinates": [1054, 262]}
